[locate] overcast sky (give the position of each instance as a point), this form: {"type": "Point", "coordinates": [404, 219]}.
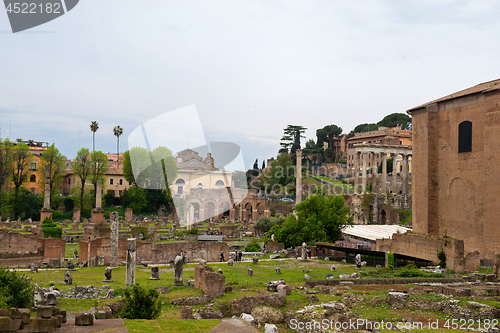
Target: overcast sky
{"type": "Point", "coordinates": [250, 67]}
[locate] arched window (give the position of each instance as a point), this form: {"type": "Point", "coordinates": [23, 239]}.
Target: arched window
{"type": "Point", "coordinates": [465, 137]}
{"type": "Point", "coordinates": [219, 183]}
{"type": "Point", "coordinates": [33, 178]}
{"type": "Point", "coordinates": [180, 181]}
{"type": "Point", "coordinates": [200, 185]}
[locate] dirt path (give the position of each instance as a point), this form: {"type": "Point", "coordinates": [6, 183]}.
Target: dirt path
{"type": "Point", "coordinates": [233, 326]}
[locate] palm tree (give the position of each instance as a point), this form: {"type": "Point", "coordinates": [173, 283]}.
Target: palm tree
{"type": "Point", "coordinates": [94, 126]}
{"type": "Point", "coordinates": [118, 131]}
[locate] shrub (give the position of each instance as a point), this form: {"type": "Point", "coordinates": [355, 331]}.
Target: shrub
{"type": "Point", "coordinates": [139, 303]}
{"type": "Point", "coordinates": [442, 258]}
{"type": "Point", "coordinates": [408, 271]}
{"type": "Point", "coordinates": [15, 289]}
{"type": "Point", "coordinates": [390, 259]}
{"type": "Point", "coordinates": [50, 229]}
{"type": "Point", "coordinates": [109, 199]}
{"type": "Point", "coordinates": [57, 215]}
{"type": "Point", "coordinates": [253, 246]}
{"type": "Point", "coordinates": [193, 231]}
{"type": "Point", "coordinates": [69, 204]}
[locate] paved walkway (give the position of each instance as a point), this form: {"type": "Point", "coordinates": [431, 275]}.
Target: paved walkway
{"type": "Point", "coordinates": [233, 326]}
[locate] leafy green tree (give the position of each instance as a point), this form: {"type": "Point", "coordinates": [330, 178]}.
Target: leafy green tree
{"type": "Point", "coordinates": [128, 174]}
{"type": "Point", "coordinates": [328, 134]}
{"type": "Point", "coordinates": [264, 224]}
{"type": "Point", "coordinates": [109, 198]}
{"type": "Point", "coordinates": [396, 119]}
{"type": "Point", "coordinates": [134, 197]}
{"type": "Point", "coordinates": [139, 303]}
{"type": "Point", "coordinates": [290, 141]}
{"type": "Point", "coordinates": [83, 170]}
{"type": "Point", "coordinates": [317, 218]}
{"type": "Point", "coordinates": [99, 165]}
{"type": "Point", "coordinates": [50, 229]}
{"type": "Point", "coordinates": [69, 204]}
{"type": "Point", "coordinates": [6, 161]}
{"type": "Point", "coordinates": [253, 246]}
{"type": "Point", "coordinates": [57, 162]}
{"type": "Point", "coordinates": [312, 151]}
{"type": "Point", "coordinates": [153, 170]}
{"type": "Point", "coordinates": [22, 158]}
{"type": "Point", "coordinates": [94, 126]}
{"type": "Point", "coordinates": [329, 154]}
{"type": "Point", "coordinates": [16, 290]}
{"type": "Point", "coordinates": [365, 128]}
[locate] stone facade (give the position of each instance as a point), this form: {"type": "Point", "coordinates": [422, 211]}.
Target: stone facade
{"type": "Point", "coordinates": [426, 247]}
{"type": "Point", "coordinates": [455, 193]}
{"type": "Point", "coordinates": [380, 208]}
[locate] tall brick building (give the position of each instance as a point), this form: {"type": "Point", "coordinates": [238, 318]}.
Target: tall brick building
{"type": "Point", "coordinates": [456, 175]}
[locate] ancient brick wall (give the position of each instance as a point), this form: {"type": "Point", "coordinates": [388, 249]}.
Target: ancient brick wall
{"type": "Point", "coordinates": [456, 193]}
{"type": "Point", "coordinates": [157, 253]}
{"type": "Point", "coordinates": [273, 246]}
{"type": "Point", "coordinates": [54, 248]}
{"type": "Point", "coordinates": [229, 230]}
{"type": "Point", "coordinates": [15, 242]}
{"type": "Point", "coordinates": [425, 247]}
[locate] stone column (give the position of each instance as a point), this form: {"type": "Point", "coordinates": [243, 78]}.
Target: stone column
{"type": "Point", "coordinates": [98, 212]}
{"type": "Point", "coordinates": [131, 257]}
{"type": "Point", "coordinates": [384, 173]}
{"type": "Point", "coordinates": [404, 184]}
{"type": "Point", "coordinates": [46, 211]}
{"type": "Point", "coordinates": [374, 165]}
{"type": "Point", "coordinates": [114, 239]}
{"type": "Point", "coordinates": [394, 174]}
{"type": "Point", "coordinates": [98, 195]}
{"type": "Point", "coordinates": [363, 173]}
{"type": "Point", "coordinates": [356, 172]}
{"type": "Point", "coordinates": [298, 187]}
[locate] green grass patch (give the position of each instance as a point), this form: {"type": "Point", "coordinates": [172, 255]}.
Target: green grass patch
{"type": "Point", "coordinates": [171, 325]}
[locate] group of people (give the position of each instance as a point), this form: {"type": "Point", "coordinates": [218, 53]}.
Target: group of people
{"type": "Point", "coordinates": [213, 232]}
{"type": "Point", "coordinates": [69, 239]}
{"type": "Point", "coordinates": [237, 256]}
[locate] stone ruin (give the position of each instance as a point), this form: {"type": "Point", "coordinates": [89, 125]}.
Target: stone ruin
{"type": "Point", "coordinates": [68, 279]}
{"type": "Point", "coordinates": [107, 274]}
{"type": "Point", "coordinates": [44, 296]}
{"type": "Point", "coordinates": [13, 320]}
{"type": "Point", "coordinates": [212, 284]}
{"type": "Point", "coordinates": [34, 268]}
{"type": "Point", "coordinates": [273, 285]}
{"type": "Point", "coordinates": [155, 273]}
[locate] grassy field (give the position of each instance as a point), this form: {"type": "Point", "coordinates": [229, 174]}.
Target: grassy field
{"type": "Point", "coordinates": [245, 285]}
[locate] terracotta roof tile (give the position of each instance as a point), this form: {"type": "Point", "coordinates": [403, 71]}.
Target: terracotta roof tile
{"type": "Point", "coordinates": [480, 88]}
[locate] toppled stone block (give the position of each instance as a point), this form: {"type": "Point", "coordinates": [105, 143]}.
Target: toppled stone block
{"type": "Point", "coordinates": [248, 318]}
{"type": "Point", "coordinates": [44, 311]}
{"type": "Point", "coordinates": [4, 312]}
{"type": "Point", "coordinates": [26, 313]}
{"type": "Point", "coordinates": [8, 324]}
{"type": "Point", "coordinates": [186, 312]}
{"type": "Point", "coordinates": [42, 325]}
{"type": "Point", "coordinates": [284, 287]}
{"type": "Point", "coordinates": [249, 271]}
{"type": "Point", "coordinates": [270, 328]}
{"type": "Point", "coordinates": [84, 319]}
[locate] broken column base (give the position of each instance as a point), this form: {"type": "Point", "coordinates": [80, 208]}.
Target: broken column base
{"type": "Point", "coordinates": [42, 325]}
